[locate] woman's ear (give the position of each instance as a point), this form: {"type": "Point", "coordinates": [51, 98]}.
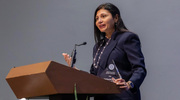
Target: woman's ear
{"type": "Point", "coordinates": [116, 17]}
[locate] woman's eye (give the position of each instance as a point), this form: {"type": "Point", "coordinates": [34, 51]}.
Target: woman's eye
{"type": "Point", "coordinates": [96, 18]}
{"type": "Point", "coordinates": [103, 16]}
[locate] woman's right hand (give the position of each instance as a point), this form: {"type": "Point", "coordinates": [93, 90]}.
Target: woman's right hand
{"type": "Point", "coordinates": [67, 58]}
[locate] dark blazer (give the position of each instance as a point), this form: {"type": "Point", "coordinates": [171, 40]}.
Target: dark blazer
{"type": "Point", "coordinates": [125, 50]}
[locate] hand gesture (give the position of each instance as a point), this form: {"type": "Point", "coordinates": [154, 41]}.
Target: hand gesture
{"type": "Point", "coordinates": [68, 59]}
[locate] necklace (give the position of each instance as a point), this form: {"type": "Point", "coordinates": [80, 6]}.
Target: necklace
{"type": "Point", "coordinates": [94, 60]}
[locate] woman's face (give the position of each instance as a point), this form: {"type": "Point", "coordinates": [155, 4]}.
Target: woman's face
{"type": "Point", "coordinates": [105, 21]}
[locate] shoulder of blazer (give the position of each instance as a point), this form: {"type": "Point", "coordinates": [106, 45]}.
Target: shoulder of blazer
{"type": "Point", "coordinates": [122, 37]}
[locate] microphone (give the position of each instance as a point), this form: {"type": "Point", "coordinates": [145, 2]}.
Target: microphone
{"type": "Point", "coordinates": [84, 43]}
{"type": "Point", "coordinates": [73, 54]}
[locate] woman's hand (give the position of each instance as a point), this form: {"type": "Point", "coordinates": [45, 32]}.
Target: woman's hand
{"type": "Point", "coordinates": [68, 59]}
{"type": "Point", "coordinates": [121, 83]}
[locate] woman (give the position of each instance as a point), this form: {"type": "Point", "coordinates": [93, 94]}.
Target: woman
{"type": "Point", "coordinates": [114, 43]}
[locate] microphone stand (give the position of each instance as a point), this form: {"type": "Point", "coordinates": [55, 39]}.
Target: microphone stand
{"type": "Point", "coordinates": [73, 55]}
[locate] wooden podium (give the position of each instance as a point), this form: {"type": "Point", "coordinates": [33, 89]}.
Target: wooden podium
{"type": "Point", "coordinates": [56, 81]}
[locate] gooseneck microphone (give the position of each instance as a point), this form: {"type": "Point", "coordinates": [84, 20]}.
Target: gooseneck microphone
{"type": "Point", "coordinates": [84, 43]}
{"type": "Point", "coordinates": [73, 54]}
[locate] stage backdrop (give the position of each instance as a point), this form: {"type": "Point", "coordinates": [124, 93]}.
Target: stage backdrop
{"type": "Point", "coordinates": [33, 31]}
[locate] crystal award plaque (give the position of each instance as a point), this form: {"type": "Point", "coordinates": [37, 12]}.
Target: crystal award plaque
{"type": "Point", "coordinates": [111, 72]}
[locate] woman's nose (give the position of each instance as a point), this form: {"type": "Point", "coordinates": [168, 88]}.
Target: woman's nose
{"type": "Point", "coordinates": [99, 20]}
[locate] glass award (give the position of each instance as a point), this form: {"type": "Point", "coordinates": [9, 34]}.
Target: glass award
{"type": "Point", "coordinates": [111, 72]}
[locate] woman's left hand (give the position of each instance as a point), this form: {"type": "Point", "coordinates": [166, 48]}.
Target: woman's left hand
{"type": "Point", "coordinates": [121, 83]}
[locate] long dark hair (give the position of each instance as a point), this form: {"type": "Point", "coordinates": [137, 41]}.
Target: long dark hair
{"type": "Point", "coordinates": [119, 26]}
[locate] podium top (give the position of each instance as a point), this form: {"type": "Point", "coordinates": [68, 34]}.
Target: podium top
{"type": "Point", "coordinates": [28, 69]}
{"type": "Point", "coordinates": [48, 78]}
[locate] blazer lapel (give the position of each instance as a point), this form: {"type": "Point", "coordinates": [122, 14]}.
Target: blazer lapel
{"type": "Point", "coordinates": [106, 53]}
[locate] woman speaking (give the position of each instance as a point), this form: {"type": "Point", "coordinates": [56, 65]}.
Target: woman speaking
{"type": "Point", "coordinates": [116, 44]}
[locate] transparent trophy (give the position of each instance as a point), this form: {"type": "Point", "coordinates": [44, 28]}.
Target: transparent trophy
{"type": "Point", "coordinates": [111, 72]}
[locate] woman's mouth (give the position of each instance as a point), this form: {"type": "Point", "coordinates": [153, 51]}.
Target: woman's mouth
{"type": "Point", "coordinates": [102, 26]}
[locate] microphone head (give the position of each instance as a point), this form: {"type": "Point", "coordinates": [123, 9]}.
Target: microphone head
{"type": "Point", "coordinates": [84, 43]}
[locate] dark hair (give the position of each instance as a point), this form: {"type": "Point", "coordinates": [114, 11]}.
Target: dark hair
{"type": "Point", "coordinates": [119, 26]}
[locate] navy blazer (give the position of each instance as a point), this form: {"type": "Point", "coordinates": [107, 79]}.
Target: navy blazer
{"type": "Point", "coordinates": [125, 50]}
